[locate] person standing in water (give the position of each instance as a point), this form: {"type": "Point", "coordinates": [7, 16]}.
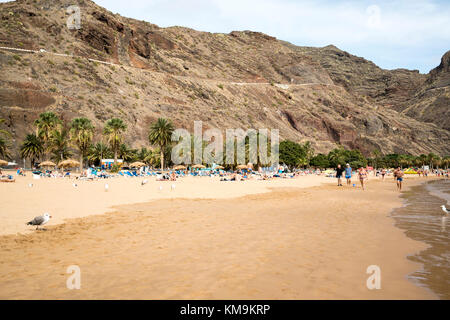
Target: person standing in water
{"type": "Point", "coordinates": [362, 174]}
{"type": "Point", "coordinates": [348, 174]}
{"type": "Point", "coordinates": [399, 176]}
{"type": "Point", "coordinates": [339, 171]}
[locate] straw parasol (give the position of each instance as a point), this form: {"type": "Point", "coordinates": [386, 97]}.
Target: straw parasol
{"type": "Point", "coordinates": [242, 166]}
{"type": "Point", "coordinates": [219, 168]}
{"type": "Point", "coordinates": [3, 163]}
{"type": "Point", "coordinates": [47, 164]}
{"type": "Point", "coordinates": [198, 166]}
{"type": "Point", "coordinates": [69, 163]}
{"type": "Point", "coordinates": [179, 167]}
{"type": "Point", "coordinates": [137, 164]}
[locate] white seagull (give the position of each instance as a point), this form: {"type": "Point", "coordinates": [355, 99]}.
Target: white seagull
{"type": "Point", "coordinates": [173, 186]}
{"type": "Point", "coordinates": [144, 182]}
{"type": "Point", "coordinates": [75, 185]}
{"type": "Point", "coordinates": [106, 187]}
{"type": "Point", "coordinates": [30, 185]}
{"type": "Point", "coordinates": [445, 209]}
{"type": "Point", "coordinates": [39, 220]}
{"type": "Point", "coordinates": [160, 188]}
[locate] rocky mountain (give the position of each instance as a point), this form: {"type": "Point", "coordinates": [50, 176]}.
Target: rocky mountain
{"type": "Point", "coordinates": [238, 80]}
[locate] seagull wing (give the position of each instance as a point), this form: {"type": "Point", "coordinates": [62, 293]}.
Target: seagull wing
{"type": "Point", "coordinates": [37, 221]}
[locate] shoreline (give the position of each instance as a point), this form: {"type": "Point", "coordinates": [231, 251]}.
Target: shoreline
{"type": "Point", "coordinates": [194, 249]}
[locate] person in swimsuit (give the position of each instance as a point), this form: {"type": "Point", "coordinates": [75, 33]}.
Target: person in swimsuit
{"type": "Point", "coordinates": [362, 174]}
{"type": "Point", "coordinates": [399, 177]}
{"type": "Point", "coordinates": [383, 173]}
{"type": "Point", "coordinates": [348, 174]}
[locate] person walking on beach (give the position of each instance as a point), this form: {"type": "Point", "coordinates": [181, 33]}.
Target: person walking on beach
{"type": "Point", "coordinates": [383, 173]}
{"type": "Point", "coordinates": [398, 173]}
{"type": "Point", "coordinates": [339, 171]}
{"type": "Point", "coordinates": [348, 174]}
{"type": "Point", "coordinates": [362, 174]}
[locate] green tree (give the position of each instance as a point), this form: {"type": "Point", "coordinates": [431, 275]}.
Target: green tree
{"type": "Point", "coordinates": [32, 148]}
{"type": "Point", "coordinates": [47, 123]}
{"type": "Point", "coordinates": [320, 161]}
{"type": "Point", "coordinates": [161, 135]}
{"type": "Point", "coordinates": [291, 153]}
{"type": "Point", "coordinates": [98, 152]}
{"type": "Point", "coordinates": [81, 133]}
{"type": "Point", "coordinates": [127, 154]}
{"type": "Point", "coordinates": [114, 130]}
{"type": "Point", "coordinates": [59, 144]}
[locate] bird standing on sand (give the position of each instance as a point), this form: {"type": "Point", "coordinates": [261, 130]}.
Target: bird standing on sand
{"type": "Point", "coordinates": [160, 188]}
{"type": "Point", "coordinates": [173, 187]}
{"type": "Point", "coordinates": [30, 185]}
{"type": "Point", "coordinates": [144, 182]}
{"type": "Point", "coordinates": [75, 185]}
{"type": "Point", "coordinates": [445, 209]}
{"type": "Point", "coordinates": [39, 220]}
{"type": "Point", "coordinates": [106, 187]}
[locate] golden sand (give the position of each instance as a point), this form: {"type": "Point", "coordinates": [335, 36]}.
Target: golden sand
{"type": "Point", "coordinates": [290, 243]}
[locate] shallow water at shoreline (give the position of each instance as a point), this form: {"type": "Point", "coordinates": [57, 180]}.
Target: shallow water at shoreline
{"type": "Point", "coordinates": [422, 219]}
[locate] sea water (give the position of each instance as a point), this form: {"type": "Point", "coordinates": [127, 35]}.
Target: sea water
{"type": "Point", "coordinates": [422, 219]}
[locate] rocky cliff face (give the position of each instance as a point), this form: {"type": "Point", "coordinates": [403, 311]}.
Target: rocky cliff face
{"type": "Point", "coordinates": [237, 80]}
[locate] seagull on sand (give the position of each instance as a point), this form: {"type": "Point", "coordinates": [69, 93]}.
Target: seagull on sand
{"type": "Point", "coordinates": [144, 182]}
{"type": "Point", "coordinates": [173, 187]}
{"type": "Point", "coordinates": [106, 187]}
{"type": "Point", "coordinates": [445, 209]}
{"type": "Point", "coordinates": [39, 220]}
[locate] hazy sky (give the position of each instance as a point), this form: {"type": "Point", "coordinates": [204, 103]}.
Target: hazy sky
{"type": "Point", "coordinates": [409, 34]}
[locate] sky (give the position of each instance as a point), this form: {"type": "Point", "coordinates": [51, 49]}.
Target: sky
{"type": "Point", "coordinates": [393, 34]}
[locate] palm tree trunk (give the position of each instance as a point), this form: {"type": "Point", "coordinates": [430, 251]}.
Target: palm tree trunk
{"type": "Point", "coordinates": [115, 156]}
{"type": "Point", "coordinates": [162, 159]}
{"type": "Point", "coordinates": [81, 162]}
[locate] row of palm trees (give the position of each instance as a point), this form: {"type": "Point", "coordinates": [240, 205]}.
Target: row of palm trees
{"type": "Point", "coordinates": [55, 139]}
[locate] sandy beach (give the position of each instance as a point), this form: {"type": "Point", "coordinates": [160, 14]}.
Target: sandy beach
{"type": "Point", "coordinates": [301, 238]}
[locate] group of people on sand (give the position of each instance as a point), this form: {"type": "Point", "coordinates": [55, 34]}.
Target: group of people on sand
{"type": "Point", "coordinates": [348, 171]}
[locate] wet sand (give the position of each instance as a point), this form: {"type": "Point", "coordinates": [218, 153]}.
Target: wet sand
{"type": "Point", "coordinates": [291, 243]}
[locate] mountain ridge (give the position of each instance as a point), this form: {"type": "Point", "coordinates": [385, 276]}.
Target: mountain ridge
{"type": "Point", "coordinates": [226, 80]}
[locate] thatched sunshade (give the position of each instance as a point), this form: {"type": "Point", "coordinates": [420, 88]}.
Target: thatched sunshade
{"type": "Point", "coordinates": [137, 164]}
{"type": "Point", "coordinates": [3, 163]}
{"type": "Point", "coordinates": [219, 168]}
{"type": "Point", "coordinates": [47, 164]}
{"type": "Point", "coordinates": [180, 167]}
{"type": "Point", "coordinates": [69, 163]}
{"type": "Point", "coordinates": [198, 166]}
{"type": "Point", "coordinates": [242, 166]}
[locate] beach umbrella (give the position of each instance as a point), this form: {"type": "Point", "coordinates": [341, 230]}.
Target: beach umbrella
{"type": "Point", "coordinates": [137, 164]}
{"type": "Point", "coordinates": [3, 163]}
{"type": "Point", "coordinates": [47, 164]}
{"type": "Point", "coordinates": [198, 166]}
{"type": "Point", "coordinates": [219, 168]}
{"type": "Point", "coordinates": [242, 166]}
{"type": "Point", "coordinates": [180, 167]}
{"type": "Point", "coordinates": [69, 163]}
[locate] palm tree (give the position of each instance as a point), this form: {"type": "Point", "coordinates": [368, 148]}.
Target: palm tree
{"type": "Point", "coordinates": [152, 158]}
{"type": "Point", "coordinates": [4, 148]}
{"type": "Point", "coordinates": [376, 157]}
{"type": "Point", "coordinates": [98, 152]}
{"type": "Point", "coordinates": [81, 133]}
{"type": "Point", "coordinates": [4, 152]}
{"type": "Point", "coordinates": [126, 153]}
{"type": "Point", "coordinates": [59, 144]}
{"type": "Point", "coordinates": [113, 131]}
{"type": "Point", "coordinates": [46, 125]}
{"type": "Point", "coordinates": [32, 148]}
{"type": "Point", "coordinates": [161, 135]}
